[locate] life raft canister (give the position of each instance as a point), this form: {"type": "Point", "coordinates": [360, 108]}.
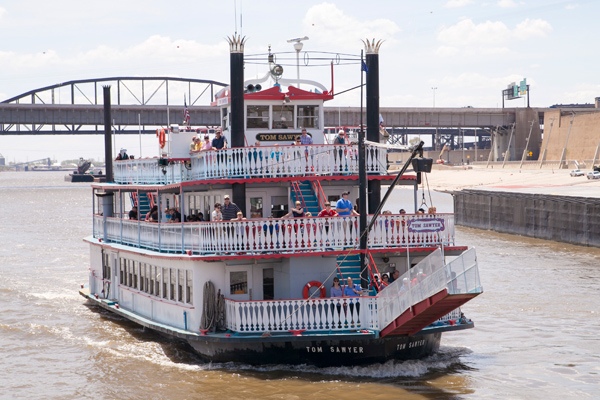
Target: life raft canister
{"type": "Point", "coordinates": [160, 133]}
{"type": "Point", "coordinates": [318, 285]}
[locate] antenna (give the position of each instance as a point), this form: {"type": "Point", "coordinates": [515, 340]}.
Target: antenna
{"type": "Point", "coordinates": [236, 16]}
{"type": "Point", "coordinates": [298, 47]}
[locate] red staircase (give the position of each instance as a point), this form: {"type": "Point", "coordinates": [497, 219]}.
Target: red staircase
{"type": "Point", "coordinates": [426, 312]}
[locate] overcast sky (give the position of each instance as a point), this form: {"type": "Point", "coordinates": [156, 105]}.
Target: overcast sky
{"type": "Point", "coordinates": [468, 49]}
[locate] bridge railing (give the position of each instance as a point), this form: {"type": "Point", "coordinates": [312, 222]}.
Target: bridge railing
{"type": "Point", "coordinates": [269, 235]}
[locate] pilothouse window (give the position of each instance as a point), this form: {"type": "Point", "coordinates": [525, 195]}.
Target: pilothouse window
{"type": "Point", "coordinates": [308, 116]}
{"type": "Point", "coordinates": [283, 117]}
{"type": "Point", "coordinates": [257, 117]}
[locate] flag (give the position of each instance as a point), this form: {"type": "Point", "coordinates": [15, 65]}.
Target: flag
{"type": "Point", "coordinates": [363, 66]}
{"type": "Point", "coordinates": [186, 113]}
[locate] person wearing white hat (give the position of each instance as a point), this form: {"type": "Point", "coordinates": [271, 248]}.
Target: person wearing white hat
{"type": "Point", "coordinates": [340, 138]}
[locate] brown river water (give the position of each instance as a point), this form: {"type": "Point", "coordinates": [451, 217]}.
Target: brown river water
{"type": "Point", "coordinates": [536, 334]}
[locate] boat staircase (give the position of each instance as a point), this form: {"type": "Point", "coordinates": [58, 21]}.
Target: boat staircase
{"type": "Point", "coordinates": [143, 201]}
{"type": "Point", "coordinates": [425, 301]}
{"type": "Point", "coordinates": [307, 195]}
{"type": "Point", "coordinates": [426, 312]}
{"type": "Point", "coordinates": [348, 266]}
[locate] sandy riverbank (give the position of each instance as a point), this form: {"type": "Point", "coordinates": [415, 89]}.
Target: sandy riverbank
{"type": "Point", "coordinates": [559, 182]}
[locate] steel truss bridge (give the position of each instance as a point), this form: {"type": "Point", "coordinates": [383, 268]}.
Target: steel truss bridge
{"type": "Point", "coordinates": [146, 103]}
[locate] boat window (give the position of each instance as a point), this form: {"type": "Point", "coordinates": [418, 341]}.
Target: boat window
{"type": "Point", "coordinates": [283, 117]}
{"type": "Point", "coordinates": [268, 284]}
{"type": "Point", "coordinates": [257, 117]}
{"type": "Point", "coordinates": [256, 207]}
{"type": "Point", "coordinates": [188, 287]}
{"type": "Point", "coordinates": [180, 283]}
{"type": "Point", "coordinates": [238, 282]}
{"type": "Point", "coordinates": [105, 266]}
{"type": "Point", "coordinates": [135, 274]}
{"type": "Point", "coordinates": [122, 272]}
{"type": "Point", "coordinates": [165, 283]}
{"type": "Point", "coordinates": [142, 276]}
{"type": "Point", "coordinates": [157, 277]}
{"type": "Point", "coordinates": [308, 117]}
{"type": "Point", "coordinates": [172, 282]}
{"type": "Point", "coordinates": [152, 275]}
{"type": "Point", "coordinates": [279, 206]}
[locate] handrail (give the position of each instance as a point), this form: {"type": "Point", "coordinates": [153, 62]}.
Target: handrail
{"type": "Point", "coordinates": [320, 193]}
{"type": "Point", "coordinates": [298, 193]}
{"type": "Point", "coordinates": [270, 235]}
{"type": "Point", "coordinates": [251, 162]}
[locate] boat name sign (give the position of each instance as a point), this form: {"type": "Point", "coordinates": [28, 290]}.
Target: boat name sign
{"type": "Point", "coordinates": [426, 225]}
{"type": "Point", "coordinates": [277, 137]}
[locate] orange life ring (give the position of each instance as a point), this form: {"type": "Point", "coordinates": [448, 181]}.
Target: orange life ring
{"type": "Point", "coordinates": [316, 284]}
{"type": "Point", "coordinates": [160, 133]}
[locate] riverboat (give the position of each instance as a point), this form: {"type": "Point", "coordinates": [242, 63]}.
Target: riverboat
{"type": "Point", "coordinates": [256, 290]}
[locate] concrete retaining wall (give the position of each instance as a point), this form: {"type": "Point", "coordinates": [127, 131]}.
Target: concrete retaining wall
{"type": "Point", "coordinates": [573, 220]}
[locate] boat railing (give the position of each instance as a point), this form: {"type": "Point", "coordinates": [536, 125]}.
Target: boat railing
{"type": "Point", "coordinates": [427, 278]}
{"type": "Point", "coordinates": [151, 171]}
{"type": "Point", "coordinates": [329, 314]}
{"type": "Point", "coordinates": [270, 235]}
{"type": "Point", "coordinates": [252, 162]}
{"type": "Point", "coordinates": [357, 313]}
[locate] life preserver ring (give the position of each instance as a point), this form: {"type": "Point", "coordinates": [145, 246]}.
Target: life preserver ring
{"type": "Point", "coordinates": [316, 284]}
{"type": "Point", "coordinates": [160, 133]}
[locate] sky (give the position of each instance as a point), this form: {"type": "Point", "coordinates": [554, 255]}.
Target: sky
{"type": "Point", "coordinates": [446, 53]}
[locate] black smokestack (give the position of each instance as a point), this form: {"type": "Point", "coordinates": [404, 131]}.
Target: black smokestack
{"type": "Point", "coordinates": [236, 122]}
{"type": "Point", "coordinates": [236, 118]}
{"type": "Point", "coordinates": [107, 135]}
{"type": "Point", "coordinates": [372, 61]}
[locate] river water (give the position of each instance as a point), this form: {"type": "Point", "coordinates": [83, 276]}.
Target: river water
{"type": "Point", "coordinates": [536, 335]}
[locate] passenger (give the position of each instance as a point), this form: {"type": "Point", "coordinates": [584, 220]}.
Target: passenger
{"type": "Point", "coordinates": [193, 144]}
{"type": "Point", "coordinates": [219, 141]}
{"type": "Point", "coordinates": [327, 211]}
{"type": "Point", "coordinates": [340, 138]}
{"type": "Point", "coordinates": [175, 215]}
{"type": "Point", "coordinates": [394, 275]}
{"type": "Point", "coordinates": [344, 206]}
{"type": "Point", "coordinates": [402, 211]}
{"type": "Point", "coordinates": [296, 212]}
{"type": "Point", "coordinates": [385, 281]}
{"type": "Point", "coordinates": [239, 217]}
{"type": "Point", "coordinates": [405, 285]}
{"type": "Point", "coordinates": [352, 290]}
{"type": "Point", "coordinates": [375, 283]}
{"type": "Point", "coordinates": [216, 215]}
{"type": "Point", "coordinates": [421, 211]}
{"type": "Point", "coordinates": [229, 209]}
{"type": "Point", "coordinates": [206, 145]}
{"type": "Point", "coordinates": [305, 138]}
{"type": "Point", "coordinates": [153, 210]}
{"type": "Point", "coordinates": [336, 289]}
{"type": "Point", "coordinates": [133, 213]}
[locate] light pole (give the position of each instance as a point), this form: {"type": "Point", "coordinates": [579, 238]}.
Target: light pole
{"type": "Point", "coordinates": [298, 47]}
{"type": "Point", "coordinates": [435, 146]}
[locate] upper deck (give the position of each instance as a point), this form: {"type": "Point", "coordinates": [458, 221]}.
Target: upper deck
{"type": "Point", "coordinates": [318, 160]}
